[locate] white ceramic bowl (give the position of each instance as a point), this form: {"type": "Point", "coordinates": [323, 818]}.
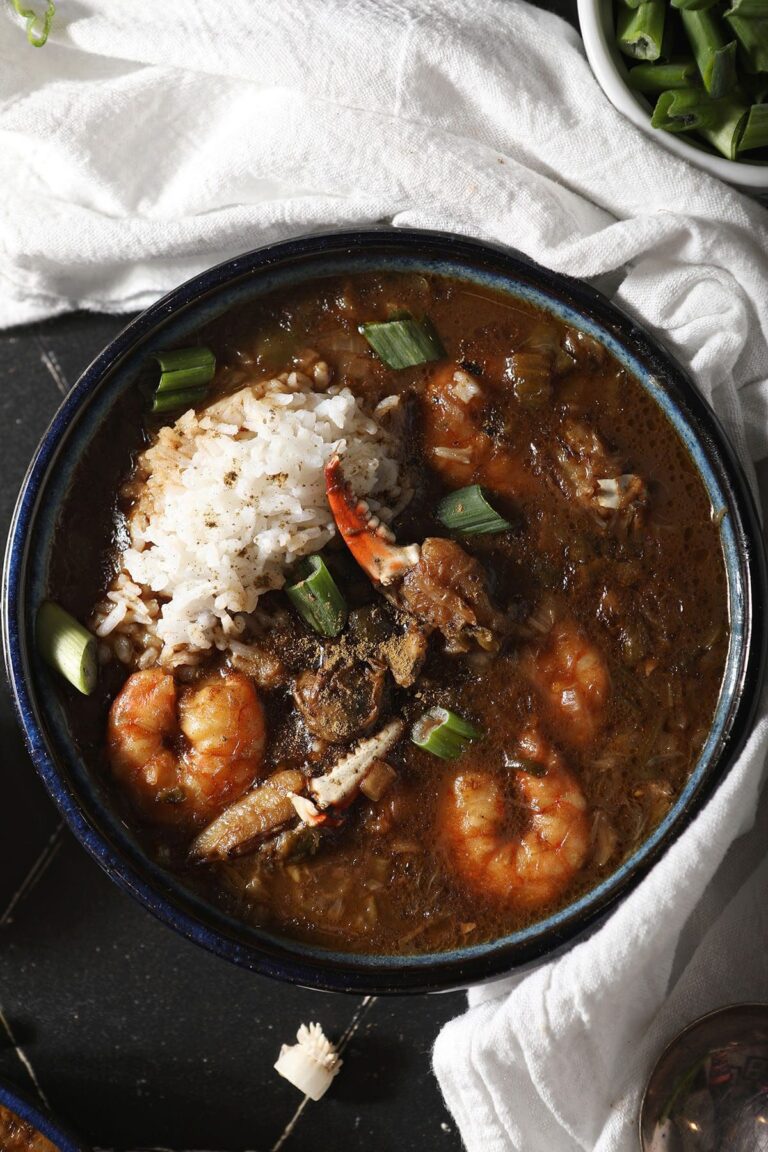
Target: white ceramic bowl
{"type": "Point", "coordinates": [610, 69]}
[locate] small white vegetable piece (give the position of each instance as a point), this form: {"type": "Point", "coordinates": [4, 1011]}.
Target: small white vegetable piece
{"type": "Point", "coordinates": [378, 780]}
{"type": "Point", "coordinates": [311, 1064]}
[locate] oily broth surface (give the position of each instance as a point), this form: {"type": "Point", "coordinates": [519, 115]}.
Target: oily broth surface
{"type": "Point", "coordinates": [381, 882]}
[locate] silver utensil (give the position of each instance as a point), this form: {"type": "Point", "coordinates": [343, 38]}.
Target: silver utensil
{"type": "Point", "coordinates": [709, 1089]}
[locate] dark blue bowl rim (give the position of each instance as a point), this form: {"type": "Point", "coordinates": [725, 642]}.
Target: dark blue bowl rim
{"type": "Point", "coordinates": [21, 1103]}
{"type": "Point", "coordinates": [346, 973]}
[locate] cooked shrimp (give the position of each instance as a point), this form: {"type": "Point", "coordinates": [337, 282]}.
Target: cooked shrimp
{"type": "Point", "coordinates": [532, 868]}
{"type": "Point", "coordinates": [437, 582]}
{"type": "Point", "coordinates": [456, 407]}
{"type": "Point", "coordinates": [572, 679]}
{"type": "Point", "coordinates": [184, 754]}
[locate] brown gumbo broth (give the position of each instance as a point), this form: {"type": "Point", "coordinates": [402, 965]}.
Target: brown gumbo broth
{"type": "Point", "coordinates": [591, 665]}
{"type": "Point", "coordinates": [16, 1135]}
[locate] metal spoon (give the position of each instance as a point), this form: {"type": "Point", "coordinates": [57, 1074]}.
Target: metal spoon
{"type": "Point", "coordinates": [709, 1089]}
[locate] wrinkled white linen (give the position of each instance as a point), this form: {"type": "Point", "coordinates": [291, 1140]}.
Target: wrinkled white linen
{"type": "Point", "coordinates": [147, 141]}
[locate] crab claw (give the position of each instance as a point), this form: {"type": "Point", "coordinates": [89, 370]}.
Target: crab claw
{"type": "Point", "coordinates": [370, 542]}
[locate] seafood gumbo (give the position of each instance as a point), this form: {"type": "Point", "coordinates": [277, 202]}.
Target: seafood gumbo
{"type": "Point", "coordinates": [406, 612]}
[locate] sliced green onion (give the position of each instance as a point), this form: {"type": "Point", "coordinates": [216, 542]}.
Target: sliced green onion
{"type": "Point", "coordinates": [694, 5]}
{"type": "Point", "coordinates": [755, 134]}
{"type": "Point", "coordinates": [467, 512]}
{"type": "Point", "coordinates": [752, 34]}
{"type": "Point", "coordinates": [639, 32]}
{"type": "Point", "coordinates": [443, 733]}
{"type": "Point", "coordinates": [715, 57]}
{"type": "Point", "coordinates": [38, 27]}
{"type": "Point", "coordinates": [684, 109]}
{"type": "Point", "coordinates": [726, 133]}
{"type": "Point", "coordinates": [746, 8]}
{"type": "Point", "coordinates": [185, 368]}
{"type": "Point", "coordinates": [655, 78]}
{"type": "Point", "coordinates": [317, 599]}
{"type": "Point", "coordinates": [404, 342]}
{"type": "Point", "coordinates": [180, 398]}
{"type": "Point", "coordinates": [67, 646]}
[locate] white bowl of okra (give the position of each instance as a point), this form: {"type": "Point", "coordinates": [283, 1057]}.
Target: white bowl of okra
{"type": "Point", "coordinates": [694, 73]}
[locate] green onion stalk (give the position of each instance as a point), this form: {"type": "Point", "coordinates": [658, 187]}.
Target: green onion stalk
{"type": "Point", "coordinates": [640, 31]}
{"type": "Point", "coordinates": [444, 734]}
{"type": "Point", "coordinates": [715, 56]}
{"type": "Point", "coordinates": [404, 342]}
{"type": "Point", "coordinates": [468, 512]}
{"type": "Point", "coordinates": [185, 375]}
{"type": "Point", "coordinates": [317, 599]}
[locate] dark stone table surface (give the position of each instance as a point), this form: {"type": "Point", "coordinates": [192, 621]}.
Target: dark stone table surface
{"type": "Point", "coordinates": [136, 1037]}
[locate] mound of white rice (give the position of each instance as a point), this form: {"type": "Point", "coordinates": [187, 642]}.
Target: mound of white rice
{"type": "Point", "coordinates": [231, 498]}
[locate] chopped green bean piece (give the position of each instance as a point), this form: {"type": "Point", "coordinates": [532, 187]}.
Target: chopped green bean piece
{"type": "Point", "coordinates": [655, 78]}
{"type": "Point", "coordinates": [715, 57]}
{"type": "Point", "coordinates": [755, 134]}
{"type": "Point", "coordinates": [639, 32]}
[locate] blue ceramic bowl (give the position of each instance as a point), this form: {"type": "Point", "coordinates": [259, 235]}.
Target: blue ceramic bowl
{"type": "Point", "coordinates": [41, 699]}
{"type": "Point", "coordinates": [23, 1107]}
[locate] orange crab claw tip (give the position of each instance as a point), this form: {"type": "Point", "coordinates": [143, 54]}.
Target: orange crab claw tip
{"type": "Point", "coordinates": [378, 556]}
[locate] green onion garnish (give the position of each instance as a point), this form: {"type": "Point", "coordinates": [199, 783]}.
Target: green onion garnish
{"type": "Point", "coordinates": [67, 646]}
{"type": "Point", "coordinates": [317, 599]}
{"type": "Point", "coordinates": [185, 374]}
{"type": "Point", "coordinates": [468, 512]}
{"type": "Point", "coordinates": [181, 398]}
{"type": "Point", "coordinates": [752, 34]}
{"type": "Point", "coordinates": [694, 5]}
{"type": "Point", "coordinates": [639, 31]}
{"type": "Point", "coordinates": [715, 57]}
{"type": "Point", "coordinates": [727, 132]}
{"type": "Point", "coordinates": [755, 134]}
{"type": "Point", "coordinates": [746, 8]}
{"type": "Point", "coordinates": [38, 27]}
{"type": "Point", "coordinates": [682, 109]}
{"type": "Point", "coordinates": [443, 733]}
{"type": "Point", "coordinates": [403, 342]}
{"type": "Point", "coordinates": [655, 78]}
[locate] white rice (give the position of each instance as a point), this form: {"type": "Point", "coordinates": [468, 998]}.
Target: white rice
{"type": "Point", "coordinates": [230, 499]}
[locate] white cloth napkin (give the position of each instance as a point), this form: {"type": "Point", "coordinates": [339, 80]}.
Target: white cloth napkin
{"type": "Point", "coordinates": [147, 141]}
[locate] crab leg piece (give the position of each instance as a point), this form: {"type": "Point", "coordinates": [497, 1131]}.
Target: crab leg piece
{"type": "Point", "coordinates": [258, 814]}
{"type": "Point", "coordinates": [341, 784]}
{"type": "Point", "coordinates": [370, 542]}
